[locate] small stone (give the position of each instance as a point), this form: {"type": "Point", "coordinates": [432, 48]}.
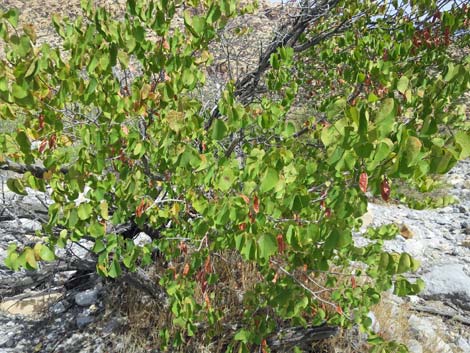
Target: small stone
{"type": "Point", "coordinates": [86, 298]}
{"type": "Point", "coordinates": [111, 326]}
{"type": "Point", "coordinates": [464, 225]}
{"type": "Point", "coordinates": [142, 239]}
{"type": "Point", "coordinates": [466, 243]}
{"type": "Point", "coordinates": [58, 308]}
{"type": "Point", "coordinates": [83, 320]}
{"type": "Point", "coordinates": [406, 232]}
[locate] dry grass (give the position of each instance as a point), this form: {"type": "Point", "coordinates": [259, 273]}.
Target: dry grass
{"type": "Point", "coordinates": [394, 325]}
{"type": "Point", "coordinates": [146, 317]}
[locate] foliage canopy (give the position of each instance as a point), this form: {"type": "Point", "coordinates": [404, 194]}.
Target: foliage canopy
{"type": "Point", "coordinates": [380, 83]}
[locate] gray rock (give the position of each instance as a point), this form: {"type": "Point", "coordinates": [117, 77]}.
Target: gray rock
{"type": "Point", "coordinates": [463, 344]}
{"type": "Point", "coordinates": [448, 283]}
{"type": "Point", "coordinates": [87, 298]}
{"type": "Point", "coordinates": [420, 327]}
{"type": "Point", "coordinates": [414, 346]}
{"type": "Point", "coordinates": [83, 320]}
{"type": "Point", "coordinates": [58, 308]}
{"type": "Point", "coordinates": [142, 239]}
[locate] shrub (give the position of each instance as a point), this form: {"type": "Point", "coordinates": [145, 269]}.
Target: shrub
{"type": "Point", "coordinates": [116, 119]}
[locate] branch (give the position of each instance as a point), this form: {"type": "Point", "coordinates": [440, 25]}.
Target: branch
{"type": "Point", "coordinates": [36, 170]}
{"type": "Point", "coordinates": [302, 337]}
{"type": "Point", "coordinates": [445, 313]}
{"type": "Point", "coordinates": [287, 36]}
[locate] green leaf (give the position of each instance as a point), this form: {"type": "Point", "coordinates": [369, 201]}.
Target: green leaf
{"type": "Point", "coordinates": [386, 117]}
{"type": "Point", "coordinates": [267, 244]}
{"type": "Point", "coordinates": [23, 141]}
{"type": "Point", "coordinates": [404, 264]}
{"type": "Point", "coordinates": [84, 211]}
{"type": "Point", "coordinates": [213, 14]}
{"type": "Point", "coordinates": [243, 336]}
{"type": "Point", "coordinates": [104, 209]}
{"type": "Point", "coordinates": [338, 240]}
{"type": "Point", "coordinates": [462, 138]}
{"type": "Point", "coordinates": [46, 253]}
{"type": "Point", "coordinates": [219, 129]}
{"type": "Point", "coordinates": [451, 72]}
{"type": "Point", "coordinates": [30, 257]}
{"type": "Point", "coordinates": [19, 91]}
{"type": "Point", "coordinates": [96, 229]}
{"type": "Point", "coordinates": [115, 269]}
{"type": "Point", "coordinates": [175, 120]}
{"type": "Point", "coordinates": [139, 147]}
{"type": "Point", "coordinates": [99, 246]}
{"type": "Point", "coordinates": [16, 185]}
{"type": "Point", "coordinates": [226, 179]}
{"type": "Point", "coordinates": [412, 149]}
{"type": "Point", "coordinates": [402, 84]}
{"type": "Point", "coordinates": [269, 180]}
{"type": "Point", "coordinates": [12, 16]}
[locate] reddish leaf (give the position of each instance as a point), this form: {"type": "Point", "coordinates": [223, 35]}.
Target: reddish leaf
{"type": "Point", "coordinates": [339, 310]}
{"type": "Point", "coordinates": [385, 55]}
{"type": "Point", "coordinates": [252, 217]}
{"type": "Point", "coordinates": [328, 212]}
{"type": "Point", "coordinates": [201, 278]}
{"type": "Point", "coordinates": [264, 346]}
{"type": "Point", "coordinates": [256, 204]}
{"type": "Point", "coordinates": [141, 208]}
{"type": "Point", "coordinates": [41, 122]}
{"type": "Point", "coordinates": [242, 226]}
{"type": "Point", "coordinates": [245, 198]}
{"type": "Point", "coordinates": [183, 247]}
{"type": "Point", "coordinates": [207, 265]}
{"type": "Point", "coordinates": [363, 180]}
{"type": "Point", "coordinates": [42, 146]}
{"type": "Point", "coordinates": [207, 300]}
{"type": "Point", "coordinates": [385, 190]}
{"type": "Point", "coordinates": [186, 270]}
{"type": "Point", "coordinates": [353, 282]}
{"type": "Point", "coordinates": [165, 45]}
{"type": "Point", "coordinates": [276, 276]}
{"type": "Point", "coordinates": [281, 245]}
{"type": "Point", "coordinates": [125, 130]}
{"type": "Point", "coordinates": [52, 141]}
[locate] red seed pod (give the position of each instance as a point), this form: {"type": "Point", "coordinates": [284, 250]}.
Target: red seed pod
{"type": "Point", "coordinates": [256, 204]}
{"type": "Point", "coordinates": [328, 212]}
{"type": "Point", "coordinates": [43, 146]}
{"type": "Point", "coordinates": [281, 245]}
{"type": "Point", "coordinates": [41, 122]}
{"type": "Point", "coordinates": [363, 181]}
{"type": "Point", "coordinates": [385, 190]}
